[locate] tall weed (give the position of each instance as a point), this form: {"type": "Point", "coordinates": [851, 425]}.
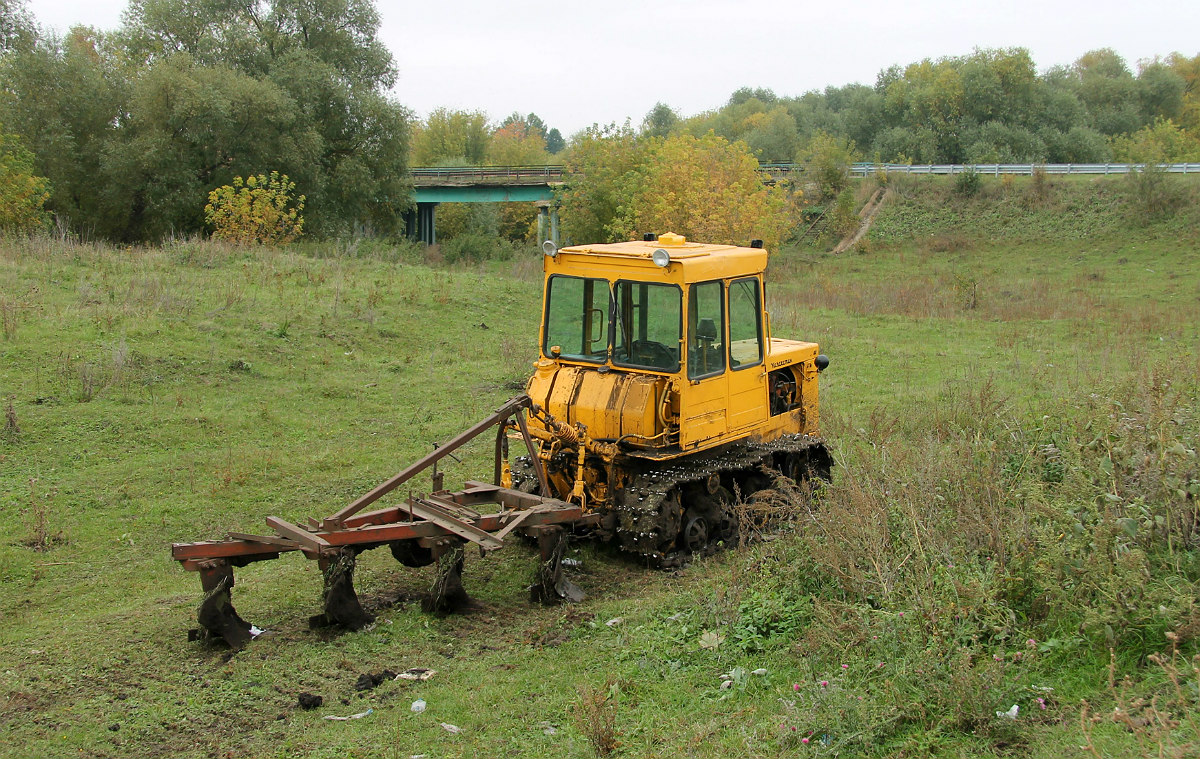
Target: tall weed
{"type": "Point", "coordinates": [596, 716]}
{"type": "Point", "coordinates": [1081, 519]}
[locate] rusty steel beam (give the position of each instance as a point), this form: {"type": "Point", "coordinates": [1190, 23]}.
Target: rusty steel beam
{"type": "Point", "coordinates": [543, 483]}
{"type": "Point", "coordinates": [526, 510]}
{"type": "Point", "coordinates": [501, 453]}
{"type": "Point", "coordinates": [199, 565]}
{"type": "Point", "coordinates": [269, 539]}
{"type": "Point", "coordinates": [510, 408]}
{"type": "Point", "coordinates": [385, 533]}
{"type": "Point", "coordinates": [444, 502]}
{"type": "Point", "coordinates": [517, 518]}
{"type": "Point", "coordinates": [508, 497]}
{"type": "Point", "coordinates": [378, 516]}
{"type": "Point", "coordinates": [307, 540]}
{"type": "Point", "coordinates": [474, 488]}
{"type": "Point", "coordinates": [219, 549]}
{"type": "Point", "coordinates": [449, 522]}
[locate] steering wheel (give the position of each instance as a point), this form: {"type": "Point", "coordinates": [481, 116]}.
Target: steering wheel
{"type": "Point", "coordinates": [653, 354]}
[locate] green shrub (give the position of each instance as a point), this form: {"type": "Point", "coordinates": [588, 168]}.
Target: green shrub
{"type": "Point", "coordinates": [458, 219]}
{"type": "Point", "coordinates": [473, 247]}
{"type": "Point", "coordinates": [827, 161]}
{"type": "Point", "coordinates": [1153, 193]}
{"type": "Point", "coordinates": [967, 183]}
{"type": "Point", "coordinates": [22, 194]}
{"type": "Point", "coordinates": [845, 218]}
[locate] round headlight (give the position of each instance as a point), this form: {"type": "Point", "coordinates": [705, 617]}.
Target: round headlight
{"type": "Point", "coordinates": [549, 248]}
{"type": "Point", "coordinates": [661, 258]}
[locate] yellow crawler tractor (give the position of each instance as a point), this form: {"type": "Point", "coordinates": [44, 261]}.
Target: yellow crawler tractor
{"type": "Point", "coordinates": [661, 394]}
{"type": "Point", "coordinates": [660, 399]}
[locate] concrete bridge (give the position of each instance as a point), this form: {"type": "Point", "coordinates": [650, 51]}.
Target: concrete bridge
{"type": "Point", "coordinates": [483, 184]}
{"type": "Point", "coordinates": [502, 184]}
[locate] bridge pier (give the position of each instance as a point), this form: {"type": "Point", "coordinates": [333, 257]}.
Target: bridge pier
{"type": "Point", "coordinates": [420, 224]}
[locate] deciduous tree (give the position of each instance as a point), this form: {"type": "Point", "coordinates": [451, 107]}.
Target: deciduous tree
{"type": "Point", "coordinates": [709, 189]}
{"type": "Point", "coordinates": [191, 128]}
{"type": "Point", "coordinates": [659, 121]}
{"type": "Point", "coordinates": [189, 93]}
{"type": "Point", "coordinates": [1164, 141]}
{"type": "Point", "coordinates": [1188, 70]}
{"type": "Point", "coordinates": [23, 194]}
{"type": "Point", "coordinates": [451, 138]}
{"type": "Point", "coordinates": [16, 26]}
{"type": "Point", "coordinates": [66, 100]}
{"type": "Point", "coordinates": [771, 135]}
{"type": "Point", "coordinates": [601, 179]}
{"type": "Point", "coordinates": [517, 144]}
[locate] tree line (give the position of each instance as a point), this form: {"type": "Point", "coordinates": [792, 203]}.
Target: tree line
{"type": "Point", "coordinates": [467, 138]}
{"type": "Point", "coordinates": [123, 135]}
{"type": "Point", "coordinates": [988, 107]}
{"type": "Point", "coordinates": [133, 128]}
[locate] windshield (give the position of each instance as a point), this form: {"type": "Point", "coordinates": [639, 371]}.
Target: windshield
{"type": "Point", "coordinates": [577, 318]}
{"type": "Point", "coordinates": [648, 326]}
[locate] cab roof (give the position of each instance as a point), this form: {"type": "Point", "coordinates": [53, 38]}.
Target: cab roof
{"type": "Point", "coordinates": [689, 261]}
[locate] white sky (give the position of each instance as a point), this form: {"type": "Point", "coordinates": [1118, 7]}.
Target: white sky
{"type": "Point", "coordinates": [577, 63]}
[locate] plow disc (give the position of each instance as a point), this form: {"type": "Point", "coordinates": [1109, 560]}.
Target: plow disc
{"type": "Point", "coordinates": [421, 530]}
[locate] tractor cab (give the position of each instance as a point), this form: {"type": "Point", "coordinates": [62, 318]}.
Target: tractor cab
{"type": "Point", "coordinates": [664, 346]}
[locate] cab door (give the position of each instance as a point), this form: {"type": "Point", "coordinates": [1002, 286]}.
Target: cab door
{"type": "Point", "coordinates": [747, 375]}
{"type": "Point", "coordinates": [704, 399]}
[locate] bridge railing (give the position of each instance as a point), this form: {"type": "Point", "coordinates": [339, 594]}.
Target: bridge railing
{"type": "Point", "coordinates": [491, 173]}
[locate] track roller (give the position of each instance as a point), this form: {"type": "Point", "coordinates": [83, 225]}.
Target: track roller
{"type": "Point", "coordinates": [695, 533]}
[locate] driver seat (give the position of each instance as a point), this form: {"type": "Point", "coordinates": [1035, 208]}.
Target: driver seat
{"type": "Point", "coordinates": [706, 358]}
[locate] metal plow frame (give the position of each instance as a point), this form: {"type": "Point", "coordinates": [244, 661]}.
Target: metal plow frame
{"type": "Point", "coordinates": [422, 530]}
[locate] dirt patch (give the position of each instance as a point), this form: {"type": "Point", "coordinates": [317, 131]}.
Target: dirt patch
{"type": "Point", "coordinates": [866, 217]}
{"type": "Point", "coordinates": [309, 701]}
{"type": "Point", "coordinates": [18, 703]}
{"type": "Point", "coordinates": [370, 681]}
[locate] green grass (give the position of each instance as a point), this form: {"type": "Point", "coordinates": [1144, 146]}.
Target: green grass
{"type": "Point", "coordinates": [172, 394]}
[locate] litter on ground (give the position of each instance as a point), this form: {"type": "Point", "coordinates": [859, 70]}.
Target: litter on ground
{"type": "Point", "coordinates": [360, 715]}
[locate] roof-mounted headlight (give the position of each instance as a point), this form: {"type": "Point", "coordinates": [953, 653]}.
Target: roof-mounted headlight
{"type": "Point", "coordinates": [661, 258]}
{"type": "Point", "coordinates": [549, 248]}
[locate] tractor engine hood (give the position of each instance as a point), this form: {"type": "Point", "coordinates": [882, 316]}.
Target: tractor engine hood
{"type": "Point", "coordinates": [612, 404]}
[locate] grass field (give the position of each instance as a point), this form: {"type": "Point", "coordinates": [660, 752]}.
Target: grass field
{"type": "Point", "coordinates": [1013, 406]}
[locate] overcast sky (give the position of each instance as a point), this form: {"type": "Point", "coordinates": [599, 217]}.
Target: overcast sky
{"type": "Point", "coordinates": [578, 63]}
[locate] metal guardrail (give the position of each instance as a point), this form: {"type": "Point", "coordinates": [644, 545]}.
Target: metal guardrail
{"type": "Point", "coordinates": [996, 169]}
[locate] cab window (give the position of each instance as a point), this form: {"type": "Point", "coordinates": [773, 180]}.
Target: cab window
{"type": "Point", "coordinates": [646, 325]}
{"type": "Point", "coordinates": [576, 325]}
{"type": "Point", "coordinates": [745, 324]}
{"type": "Point", "coordinates": [706, 330]}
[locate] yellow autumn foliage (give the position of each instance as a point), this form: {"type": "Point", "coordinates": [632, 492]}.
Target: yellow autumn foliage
{"type": "Point", "coordinates": [707, 188]}
{"type": "Point", "coordinates": [23, 194]}
{"type": "Point", "coordinates": [257, 210]}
